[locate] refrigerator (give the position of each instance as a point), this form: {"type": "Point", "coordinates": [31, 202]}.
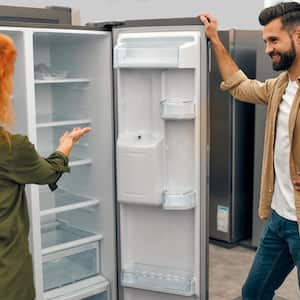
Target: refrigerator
{"type": "Point", "coordinates": [129, 221]}
{"type": "Point", "coordinates": [231, 144]}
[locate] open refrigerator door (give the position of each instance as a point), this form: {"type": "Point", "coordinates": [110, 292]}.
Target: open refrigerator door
{"type": "Point", "coordinates": [63, 79]}
{"type": "Point", "coordinates": [162, 156]}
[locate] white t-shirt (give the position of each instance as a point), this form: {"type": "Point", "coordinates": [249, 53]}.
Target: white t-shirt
{"type": "Point", "coordinates": [283, 201]}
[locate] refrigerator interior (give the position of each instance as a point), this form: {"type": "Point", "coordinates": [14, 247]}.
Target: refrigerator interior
{"type": "Point", "coordinates": [63, 80]}
{"type": "Point", "coordinates": [158, 176]}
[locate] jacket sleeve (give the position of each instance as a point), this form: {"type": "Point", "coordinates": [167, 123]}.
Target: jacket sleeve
{"type": "Point", "coordinates": [248, 90]}
{"type": "Point", "coordinates": [27, 166]}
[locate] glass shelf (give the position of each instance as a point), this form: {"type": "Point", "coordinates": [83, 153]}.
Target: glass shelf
{"type": "Point", "coordinates": [61, 200]}
{"type": "Point", "coordinates": [79, 155]}
{"type": "Point", "coordinates": [82, 162]}
{"type": "Point", "coordinates": [50, 120]}
{"type": "Point", "coordinates": [70, 266]}
{"type": "Point", "coordinates": [161, 279]}
{"type": "Point", "coordinates": [59, 235]}
{"type": "Point", "coordinates": [177, 110]}
{"type": "Point", "coordinates": [182, 201]}
{"type": "Point", "coordinates": [61, 81]}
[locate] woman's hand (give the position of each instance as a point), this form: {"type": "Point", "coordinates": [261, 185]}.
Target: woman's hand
{"type": "Point", "coordinates": [69, 138]}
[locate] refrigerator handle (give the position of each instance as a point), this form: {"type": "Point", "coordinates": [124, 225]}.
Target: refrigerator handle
{"type": "Point", "coordinates": [209, 51]}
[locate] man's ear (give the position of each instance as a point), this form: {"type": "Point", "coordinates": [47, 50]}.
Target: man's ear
{"type": "Point", "coordinates": [297, 34]}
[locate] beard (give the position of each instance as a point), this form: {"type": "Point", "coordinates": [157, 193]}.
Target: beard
{"type": "Point", "coordinates": [286, 59]}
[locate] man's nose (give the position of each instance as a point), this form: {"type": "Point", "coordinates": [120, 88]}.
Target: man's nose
{"type": "Point", "coordinates": [269, 49]}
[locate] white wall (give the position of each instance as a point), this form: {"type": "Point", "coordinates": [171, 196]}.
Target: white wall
{"type": "Point", "coordinates": [231, 13]}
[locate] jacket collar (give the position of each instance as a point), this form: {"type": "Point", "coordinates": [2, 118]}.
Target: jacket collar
{"type": "Point", "coordinates": [284, 77]}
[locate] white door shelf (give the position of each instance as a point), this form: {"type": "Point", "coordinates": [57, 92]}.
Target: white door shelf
{"type": "Point", "coordinates": [156, 50]}
{"type": "Point", "coordinates": [183, 201]}
{"type": "Point", "coordinates": [177, 110]}
{"type": "Point", "coordinates": [59, 236]}
{"type": "Point", "coordinates": [61, 81]}
{"type": "Point", "coordinates": [69, 266]}
{"type": "Point", "coordinates": [61, 200]}
{"type": "Point", "coordinates": [161, 279]}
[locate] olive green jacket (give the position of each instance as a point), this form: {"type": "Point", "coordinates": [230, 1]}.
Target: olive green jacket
{"type": "Point", "coordinates": [270, 93]}
{"type": "Point", "coordinates": [20, 165]}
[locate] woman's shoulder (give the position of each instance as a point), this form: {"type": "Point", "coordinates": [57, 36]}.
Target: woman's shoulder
{"type": "Point", "coordinates": [21, 146]}
{"type": "Point", "coordinates": [19, 141]}
{"type": "Point", "coordinates": [19, 138]}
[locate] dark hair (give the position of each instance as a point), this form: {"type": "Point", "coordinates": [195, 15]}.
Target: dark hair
{"type": "Point", "coordinates": [288, 11]}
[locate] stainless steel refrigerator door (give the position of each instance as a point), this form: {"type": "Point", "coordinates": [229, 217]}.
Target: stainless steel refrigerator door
{"type": "Point", "coordinates": [162, 161]}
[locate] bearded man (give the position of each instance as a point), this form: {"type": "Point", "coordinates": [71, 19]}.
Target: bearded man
{"type": "Point", "coordinates": [279, 248]}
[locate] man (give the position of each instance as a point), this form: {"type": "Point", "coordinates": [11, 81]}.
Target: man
{"type": "Point", "coordinates": [279, 248]}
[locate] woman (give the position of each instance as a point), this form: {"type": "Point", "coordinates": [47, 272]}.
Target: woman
{"type": "Point", "coordinates": [19, 165]}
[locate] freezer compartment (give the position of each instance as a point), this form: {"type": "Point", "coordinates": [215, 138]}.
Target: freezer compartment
{"type": "Point", "coordinates": [70, 228]}
{"type": "Point", "coordinates": [58, 60]}
{"type": "Point", "coordinates": [156, 50]}
{"type": "Point", "coordinates": [63, 200]}
{"type": "Point", "coordinates": [156, 278]}
{"type": "Point", "coordinates": [70, 266]}
{"type": "Point", "coordinates": [140, 169]}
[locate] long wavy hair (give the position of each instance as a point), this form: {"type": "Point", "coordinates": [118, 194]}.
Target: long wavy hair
{"type": "Point", "coordinates": [7, 62]}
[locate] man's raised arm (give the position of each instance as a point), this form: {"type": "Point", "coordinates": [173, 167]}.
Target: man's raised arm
{"type": "Point", "coordinates": [226, 64]}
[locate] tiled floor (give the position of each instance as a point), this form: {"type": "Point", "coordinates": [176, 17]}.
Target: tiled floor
{"type": "Point", "coordinates": [228, 269]}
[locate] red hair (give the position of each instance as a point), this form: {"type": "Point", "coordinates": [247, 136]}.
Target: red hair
{"type": "Point", "coordinates": [7, 61]}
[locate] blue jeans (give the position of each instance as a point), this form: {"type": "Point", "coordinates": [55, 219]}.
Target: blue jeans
{"type": "Point", "coordinates": [276, 256]}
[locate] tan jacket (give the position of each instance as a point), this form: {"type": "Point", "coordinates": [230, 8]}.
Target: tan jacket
{"type": "Point", "coordinates": [270, 93]}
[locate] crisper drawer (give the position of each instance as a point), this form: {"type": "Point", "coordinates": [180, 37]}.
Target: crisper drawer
{"type": "Point", "coordinates": [69, 266]}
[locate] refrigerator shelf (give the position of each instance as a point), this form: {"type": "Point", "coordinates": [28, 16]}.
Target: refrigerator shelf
{"type": "Point", "coordinates": [99, 291]}
{"type": "Point", "coordinates": [96, 285]}
{"type": "Point", "coordinates": [58, 236]}
{"type": "Point", "coordinates": [61, 81]}
{"type": "Point", "coordinates": [156, 50]}
{"type": "Point", "coordinates": [70, 266]}
{"type": "Point", "coordinates": [81, 162]}
{"type": "Point", "coordinates": [177, 110]}
{"type": "Point", "coordinates": [51, 120]}
{"type": "Point", "coordinates": [78, 156]}
{"type": "Point", "coordinates": [61, 201]}
{"type": "Point", "coordinates": [160, 279]}
{"type": "Point", "coordinates": [182, 201]}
